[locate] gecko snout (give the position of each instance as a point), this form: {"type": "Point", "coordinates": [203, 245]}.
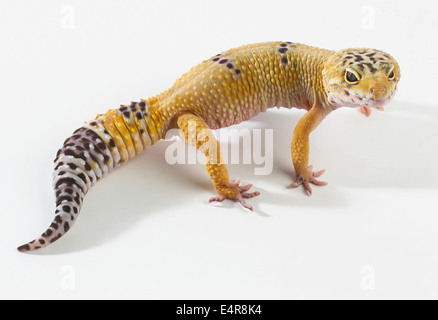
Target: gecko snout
{"type": "Point", "coordinates": [378, 92]}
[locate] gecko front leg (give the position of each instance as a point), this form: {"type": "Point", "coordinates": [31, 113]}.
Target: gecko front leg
{"type": "Point", "coordinates": [300, 149]}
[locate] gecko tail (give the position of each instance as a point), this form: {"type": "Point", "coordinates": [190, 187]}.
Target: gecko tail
{"type": "Point", "coordinates": [60, 225]}
{"type": "Point", "coordinates": [93, 151]}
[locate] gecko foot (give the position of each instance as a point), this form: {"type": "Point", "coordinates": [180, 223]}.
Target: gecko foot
{"type": "Point", "coordinates": [306, 183]}
{"type": "Point", "coordinates": [241, 196]}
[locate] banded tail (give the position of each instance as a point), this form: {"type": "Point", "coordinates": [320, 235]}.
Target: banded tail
{"type": "Point", "coordinates": [88, 155]}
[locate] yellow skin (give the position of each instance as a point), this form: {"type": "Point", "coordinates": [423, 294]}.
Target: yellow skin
{"type": "Point", "coordinates": [226, 89]}
{"type": "Point", "coordinates": [240, 83]}
{"type": "Point", "coordinates": [236, 85]}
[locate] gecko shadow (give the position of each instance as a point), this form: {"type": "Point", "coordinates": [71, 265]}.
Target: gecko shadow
{"type": "Point", "coordinates": [394, 149]}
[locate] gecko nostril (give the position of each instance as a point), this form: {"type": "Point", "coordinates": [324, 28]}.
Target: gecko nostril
{"type": "Point", "coordinates": [372, 90]}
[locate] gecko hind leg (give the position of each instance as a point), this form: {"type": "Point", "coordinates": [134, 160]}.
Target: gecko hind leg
{"type": "Point", "coordinates": [243, 194]}
{"type": "Point", "coordinates": [194, 131]}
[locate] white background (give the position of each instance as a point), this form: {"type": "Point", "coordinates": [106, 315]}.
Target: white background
{"type": "Point", "coordinates": [147, 230]}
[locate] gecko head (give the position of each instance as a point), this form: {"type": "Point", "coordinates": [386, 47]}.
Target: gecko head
{"type": "Point", "coordinates": [360, 78]}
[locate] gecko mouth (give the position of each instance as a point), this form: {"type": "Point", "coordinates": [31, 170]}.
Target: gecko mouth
{"type": "Point", "coordinates": [353, 100]}
{"type": "Point", "coordinates": [376, 103]}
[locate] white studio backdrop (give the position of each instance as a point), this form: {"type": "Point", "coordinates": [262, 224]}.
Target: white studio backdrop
{"type": "Point", "coordinates": [147, 230]}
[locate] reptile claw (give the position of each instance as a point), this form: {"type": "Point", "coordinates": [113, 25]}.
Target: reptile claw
{"type": "Point", "coordinates": [243, 194]}
{"type": "Point", "coordinates": [306, 183]}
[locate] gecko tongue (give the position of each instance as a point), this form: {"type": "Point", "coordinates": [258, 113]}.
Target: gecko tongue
{"type": "Point", "coordinates": [367, 110]}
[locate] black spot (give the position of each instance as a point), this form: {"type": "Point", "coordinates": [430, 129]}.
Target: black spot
{"type": "Point", "coordinates": [127, 114]}
{"type": "Point", "coordinates": [133, 104]}
{"type": "Point", "coordinates": [69, 182]}
{"type": "Point", "coordinates": [105, 131]}
{"type": "Point", "coordinates": [75, 210]}
{"type": "Point", "coordinates": [42, 241]}
{"type": "Point", "coordinates": [24, 247]}
{"type": "Point", "coordinates": [223, 61]}
{"type": "Point", "coordinates": [60, 199]}
{"type": "Point", "coordinates": [230, 66]}
{"type": "Point", "coordinates": [58, 165]}
{"type": "Point", "coordinates": [77, 199]}
{"type": "Point", "coordinates": [358, 58]}
{"type": "Point", "coordinates": [56, 238]}
{"type": "Point", "coordinates": [216, 59]}
{"type": "Point", "coordinates": [124, 108]}
{"type": "Point", "coordinates": [139, 115]}
{"type": "Point", "coordinates": [372, 69]}
{"type": "Point", "coordinates": [76, 136]}
{"type": "Point", "coordinates": [283, 50]}
{"type": "Point", "coordinates": [89, 132]}
{"type": "Point", "coordinates": [284, 60]}
{"type": "Point", "coordinates": [142, 104]}
{"type": "Point", "coordinates": [94, 123]}
{"type": "Point", "coordinates": [283, 45]}
{"type": "Point", "coordinates": [66, 209]}
{"type": "Point", "coordinates": [66, 226]}
{"type": "Point", "coordinates": [68, 190]}
{"type": "Point", "coordinates": [111, 143]}
{"type": "Point", "coordinates": [237, 71]}
{"type": "Point", "coordinates": [82, 177]}
{"type": "Point", "coordinates": [141, 131]}
{"type": "Point", "coordinates": [101, 145]}
{"type": "Point", "coordinates": [72, 166]}
{"type": "Point", "coordinates": [87, 167]}
{"type": "Point", "coordinates": [48, 233]}
{"type": "Point", "coordinates": [362, 52]}
{"type": "Point", "coordinates": [347, 93]}
{"type": "Point", "coordinates": [106, 159]}
{"type": "Point", "coordinates": [54, 225]}
{"type": "Point", "coordinates": [348, 57]}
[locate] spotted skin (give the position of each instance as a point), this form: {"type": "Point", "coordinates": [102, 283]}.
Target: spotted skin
{"type": "Point", "coordinates": [92, 152]}
{"type": "Point", "coordinates": [230, 87]}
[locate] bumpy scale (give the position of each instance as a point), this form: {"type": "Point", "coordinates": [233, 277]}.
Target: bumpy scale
{"type": "Point", "coordinates": [226, 89]}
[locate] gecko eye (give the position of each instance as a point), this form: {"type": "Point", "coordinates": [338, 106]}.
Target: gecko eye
{"type": "Point", "coordinates": [350, 77]}
{"type": "Point", "coordinates": [391, 75]}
